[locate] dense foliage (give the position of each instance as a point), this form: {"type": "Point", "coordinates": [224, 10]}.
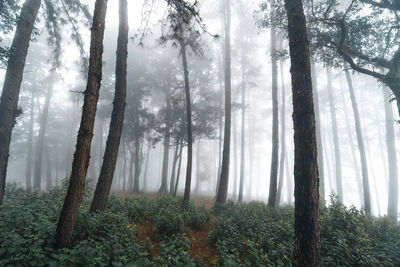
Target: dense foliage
{"type": "Point", "coordinates": [265, 235]}
{"type": "Point", "coordinates": [243, 235]}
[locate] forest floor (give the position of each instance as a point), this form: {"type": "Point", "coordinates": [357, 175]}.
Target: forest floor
{"type": "Point", "coordinates": [199, 239]}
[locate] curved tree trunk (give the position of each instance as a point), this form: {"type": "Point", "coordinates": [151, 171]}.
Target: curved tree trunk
{"type": "Point", "coordinates": [37, 179]}
{"type": "Point", "coordinates": [393, 193]}
{"type": "Point", "coordinates": [224, 178]}
{"type": "Point", "coordinates": [80, 163]}
{"type": "Point", "coordinates": [307, 250]}
{"type": "Point", "coordinates": [363, 158]}
{"type": "Point", "coordinates": [273, 180]}
{"type": "Point", "coordinates": [186, 195]}
{"type": "Point", "coordinates": [117, 117]}
{"type": "Point", "coordinates": [12, 82]}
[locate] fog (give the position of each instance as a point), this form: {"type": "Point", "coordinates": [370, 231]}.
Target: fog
{"type": "Point", "coordinates": [154, 73]}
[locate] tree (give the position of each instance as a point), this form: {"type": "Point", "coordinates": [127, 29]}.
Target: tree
{"type": "Point", "coordinates": [12, 82]}
{"type": "Point", "coordinates": [393, 196]}
{"type": "Point", "coordinates": [224, 177]}
{"type": "Point", "coordinates": [307, 225]}
{"type": "Point", "coordinates": [273, 181]}
{"type": "Point", "coordinates": [348, 33]}
{"type": "Point", "coordinates": [80, 163]}
{"type": "Point", "coordinates": [37, 179]}
{"type": "Point", "coordinates": [338, 163]}
{"type": "Point", "coordinates": [16, 64]}
{"type": "Point", "coordinates": [117, 117]}
{"type": "Point", "coordinates": [361, 147]}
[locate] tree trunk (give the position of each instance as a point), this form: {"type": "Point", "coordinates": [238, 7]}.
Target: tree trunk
{"type": "Point", "coordinates": [164, 172]}
{"type": "Point", "coordinates": [273, 180]}
{"type": "Point", "coordinates": [117, 116]}
{"type": "Point", "coordinates": [37, 179]}
{"type": "Point", "coordinates": [363, 158]}
{"type": "Point", "coordinates": [179, 168]}
{"type": "Point", "coordinates": [353, 154]}
{"type": "Point", "coordinates": [137, 166]}
{"type": "Point", "coordinates": [146, 166]}
{"type": "Point", "coordinates": [12, 82]}
{"type": "Point", "coordinates": [393, 192]}
{"type": "Point", "coordinates": [307, 223]}
{"type": "Point", "coordinates": [186, 195]}
{"type": "Point", "coordinates": [318, 132]}
{"type": "Point", "coordinates": [338, 163]}
{"type": "Point", "coordinates": [80, 163]}
{"type": "Point", "coordinates": [28, 174]}
{"type": "Point", "coordinates": [235, 157]}
{"type": "Point", "coordinates": [242, 136]}
{"type": "Point", "coordinates": [49, 183]}
{"type": "Point", "coordinates": [224, 178]}
{"type": "Point", "coordinates": [283, 132]}
{"type": "Point", "coordinates": [173, 171]}
{"type": "Point", "coordinates": [197, 187]}
{"type": "Point", "coordinates": [124, 168]}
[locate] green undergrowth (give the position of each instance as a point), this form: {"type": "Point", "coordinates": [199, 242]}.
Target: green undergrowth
{"type": "Point", "coordinates": [28, 223]}
{"type": "Point", "coordinates": [255, 235]}
{"type": "Point", "coordinates": [242, 235]}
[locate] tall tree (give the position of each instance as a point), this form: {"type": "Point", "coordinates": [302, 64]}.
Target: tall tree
{"type": "Point", "coordinates": [188, 100]}
{"type": "Point", "coordinates": [283, 130]}
{"type": "Point", "coordinates": [273, 180]}
{"type": "Point", "coordinates": [28, 173]}
{"type": "Point", "coordinates": [80, 163]}
{"type": "Point", "coordinates": [393, 196]}
{"type": "Point", "coordinates": [37, 179]}
{"type": "Point", "coordinates": [117, 116]}
{"type": "Point", "coordinates": [307, 224]}
{"type": "Point", "coordinates": [361, 147]}
{"type": "Point", "coordinates": [12, 82]}
{"type": "Point", "coordinates": [321, 170]}
{"type": "Point", "coordinates": [224, 177]}
{"type": "Point", "coordinates": [338, 162]}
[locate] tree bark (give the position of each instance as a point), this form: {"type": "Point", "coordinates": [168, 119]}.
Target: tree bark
{"type": "Point", "coordinates": [80, 163]}
{"type": "Point", "coordinates": [307, 223]}
{"type": "Point", "coordinates": [198, 156]}
{"type": "Point", "coordinates": [186, 195]}
{"type": "Point", "coordinates": [273, 180]}
{"type": "Point", "coordinates": [28, 173]}
{"type": "Point", "coordinates": [363, 158]}
{"type": "Point", "coordinates": [320, 148]}
{"type": "Point", "coordinates": [117, 116]}
{"type": "Point", "coordinates": [12, 82]}
{"type": "Point", "coordinates": [37, 179]}
{"type": "Point", "coordinates": [393, 192]}
{"type": "Point", "coordinates": [224, 178]}
{"type": "Point", "coordinates": [338, 162]}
